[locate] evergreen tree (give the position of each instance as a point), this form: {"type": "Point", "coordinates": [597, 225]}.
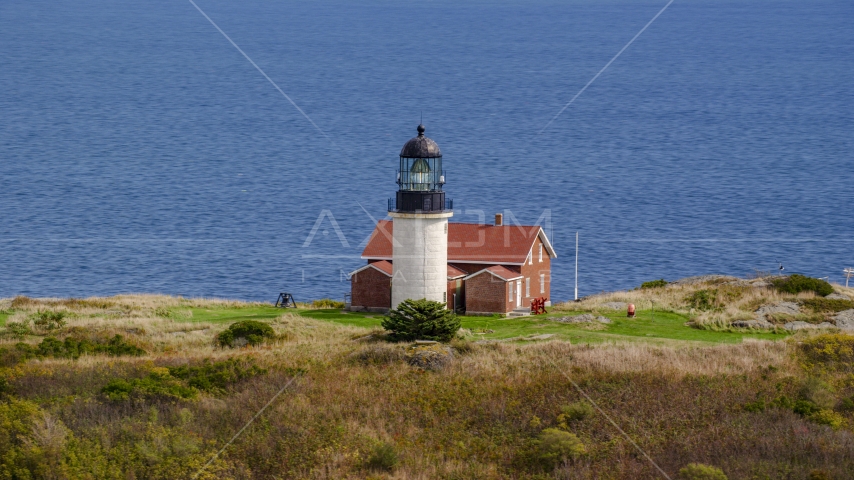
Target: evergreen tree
{"type": "Point", "coordinates": [421, 320]}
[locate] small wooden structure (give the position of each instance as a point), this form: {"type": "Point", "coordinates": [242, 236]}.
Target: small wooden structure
{"type": "Point", "coordinates": [286, 300]}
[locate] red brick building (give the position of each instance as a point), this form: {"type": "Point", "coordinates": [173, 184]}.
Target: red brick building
{"type": "Point", "coordinates": [491, 268]}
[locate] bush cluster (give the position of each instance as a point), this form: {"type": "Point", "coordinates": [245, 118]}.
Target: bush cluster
{"type": "Point", "coordinates": [797, 283]}
{"type": "Point", "coordinates": [555, 446]}
{"type": "Point", "coordinates": [70, 347]}
{"type": "Point", "coordinates": [214, 377]}
{"type": "Point", "coordinates": [703, 300]}
{"type": "Point", "coordinates": [698, 471]}
{"type": "Point", "coordinates": [421, 320]}
{"type": "Point", "coordinates": [832, 352]}
{"type": "Point", "coordinates": [48, 320]}
{"type": "Point", "coordinates": [158, 384]}
{"type": "Point", "coordinates": [654, 284]}
{"type": "Point", "coordinates": [250, 332]}
{"type": "Point", "coordinates": [383, 457]}
{"type": "Point", "coordinates": [183, 382]}
{"type": "Point", "coordinates": [827, 305]}
{"type": "Point", "coordinates": [575, 411]}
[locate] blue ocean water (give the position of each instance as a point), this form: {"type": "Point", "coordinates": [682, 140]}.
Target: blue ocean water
{"type": "Point", "coordinates": [140, 152]}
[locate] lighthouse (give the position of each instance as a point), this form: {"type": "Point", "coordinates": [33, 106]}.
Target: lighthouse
{"type": "Point", "coordinates": [420, 216]}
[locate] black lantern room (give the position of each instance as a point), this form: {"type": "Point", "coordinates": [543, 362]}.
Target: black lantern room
{"type": "Point", "coordinates": [420, 177]}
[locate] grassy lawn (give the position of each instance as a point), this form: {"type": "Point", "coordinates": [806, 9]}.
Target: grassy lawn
{"type": "Point", "coordinates": [648, 326]}
{"type": "Point", "coordinates": [3, 317]}
{"type": "Point", "coordinates": [230, 315]}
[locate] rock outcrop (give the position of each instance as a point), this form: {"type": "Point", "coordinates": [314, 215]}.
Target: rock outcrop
{"type": "Point", "coordinates": [429, 357]}
{"type": "Point", "coordinates": [584, 318]}
{"type": "Point", "coordinates": [786, 308]}
{"type": "Point", "coordinates": [760, 324]}
{"type": "Point", "coordinates": [795, 326]}
{"type": "Point", "coordinates": [845, 320]}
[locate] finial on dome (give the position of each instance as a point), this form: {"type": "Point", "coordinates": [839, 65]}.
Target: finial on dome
{"type": "Point", "coordinates": [420, 130]}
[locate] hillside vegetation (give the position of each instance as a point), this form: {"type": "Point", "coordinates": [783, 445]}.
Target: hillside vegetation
{"type": "Point", "coordinates": [715, 302]}
{"type": "Point", "coordinates": [142, 387]}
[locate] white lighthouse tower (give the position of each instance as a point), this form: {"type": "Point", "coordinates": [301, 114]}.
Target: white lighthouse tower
{"type": "Point", "coordinates": [420, 224]}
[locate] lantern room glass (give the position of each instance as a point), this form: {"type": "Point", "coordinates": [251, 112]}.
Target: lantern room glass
{"type": "Point", "coordinates": [421, 174]}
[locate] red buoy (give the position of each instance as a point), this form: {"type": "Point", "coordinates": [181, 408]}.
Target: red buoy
{"type": "Point", "coordinates": [631, 310]}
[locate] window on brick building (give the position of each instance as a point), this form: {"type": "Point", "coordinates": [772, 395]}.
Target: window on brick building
{"type": "Point", "coordinates": [542, 283]}
{"type": "Point", "coordinates": [531, 256]}
{"type": "Point", "coordinates": [510, 292]}
{"type": "Point", "coordinates": [541, 253]}
{"type": "Point", "coordinates": [527, 287]}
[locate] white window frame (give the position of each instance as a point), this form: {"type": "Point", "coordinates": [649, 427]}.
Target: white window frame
{"type": "Point", "coordinates": [542, 283]}
{"type": "Point", "coordinates": [531, 256]}
{"type": "Point", "coordinates": [510, 294]}
{"type": "Point", "coordinates": [541, 253]}
{"type": "Point", "coordinates": [527, 287]}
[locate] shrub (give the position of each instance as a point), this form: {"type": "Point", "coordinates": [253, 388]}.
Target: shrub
{"type": "Point", "coordinates": [74, 348]}
{"type": "Point", "coordinates": [383, 457]}
{"type": "Point", "coordinates": [805, 408]}
{"type": "Point", "coordinates": [796, 283]}
{"type": "Point", "coordinates": [214, 377]}
{"type": "Point", "coordinates": [702, 300]}
{"type": "Point", "coordinates": [577, 410]}
{"type": "Point", "coordinates": [158, 384]}
{"type": "Point", "coordinates": [654, 284]}
{"type": "Point", "coordinates": [327, 303]}
{"type": "Point", "coordinates": [817, 392]}
{"type": "Point", "coordinates": [556, 446]}
{"type": "Point", "coordinates": [183, 382]}
{"type": "Point", "coordinates": [827, 305]}
{"type": "Point", "coordinates": [830, 351]}
{"type": "Point", "coordinates": [251, 331]}
{"type": "Point", "coordinates": [698, 471]}
{"type": "Point", "coordinates": [48, 320]}
{"type": "Point", "coordinates": [828, 417]}
{"type": "Point", "coordinates": [18, 330]}
{"type": "Point", "coordinates": [421, 320]}
{"type": "Point", "coordinates": [757, 406]}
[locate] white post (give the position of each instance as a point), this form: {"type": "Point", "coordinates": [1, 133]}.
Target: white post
{"type": "Point", "coordinates": [576, 265]}
{"type": "Point", "coordinates": [848, 273]}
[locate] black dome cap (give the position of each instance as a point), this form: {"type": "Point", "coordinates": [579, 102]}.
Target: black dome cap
{"type": "Point", "coordinates": [420, 147]}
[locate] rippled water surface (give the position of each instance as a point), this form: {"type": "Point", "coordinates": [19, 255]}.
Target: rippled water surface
{"type": "Point", "coordinates": [140, 152]}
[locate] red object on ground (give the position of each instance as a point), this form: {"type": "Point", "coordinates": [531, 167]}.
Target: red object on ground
{"type": "Point", "coordinates": [538, 305]}
{"type": "Point", "coordinates": [631, 310]}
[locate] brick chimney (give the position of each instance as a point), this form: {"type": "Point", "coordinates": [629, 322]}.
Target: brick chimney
{"type": "Point", "coordinates": [499, 219]}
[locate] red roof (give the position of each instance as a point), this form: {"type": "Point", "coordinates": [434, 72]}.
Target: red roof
{"type": "Point", "coordinates": [454, 272]}
{"type": "Point", "coordinates": [499, 271]}
{"type": "Point", "coordinates": [470, 242]}
{"type": "Point", "coordinates": [383, 266]}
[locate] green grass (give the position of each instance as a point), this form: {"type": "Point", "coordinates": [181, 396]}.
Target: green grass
{"type": "Point", "coordinates": [647, 326]}
{"type": "Point", "coordinates": [230, 315]}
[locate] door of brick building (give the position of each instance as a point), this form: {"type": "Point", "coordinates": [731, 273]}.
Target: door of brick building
{"type": "Point", "coordinates": [518, 293]}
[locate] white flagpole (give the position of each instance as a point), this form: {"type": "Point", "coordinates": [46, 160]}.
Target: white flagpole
{"type": "Point", "coordinates": [576, 265]}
